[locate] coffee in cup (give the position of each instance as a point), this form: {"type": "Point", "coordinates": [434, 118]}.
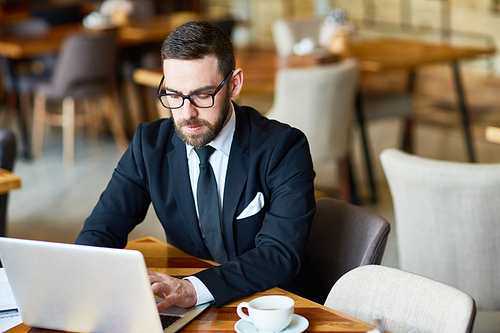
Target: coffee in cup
{"type": "Point", "coordinates": [268, 313]}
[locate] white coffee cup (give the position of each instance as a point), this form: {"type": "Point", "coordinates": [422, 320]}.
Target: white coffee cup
{"type": "Point", "coordinates": [268, 313]}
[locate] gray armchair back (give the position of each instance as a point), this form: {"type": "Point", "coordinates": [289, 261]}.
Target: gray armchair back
{"type": "Point", "coordinates": [85, 67]}
{"type": "Point", "coordinates": [344, 236]}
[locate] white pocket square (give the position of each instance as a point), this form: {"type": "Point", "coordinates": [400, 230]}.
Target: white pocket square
{"type": "Point", "coordinates": [253, 207]}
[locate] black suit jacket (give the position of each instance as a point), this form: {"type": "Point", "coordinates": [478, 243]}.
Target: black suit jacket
{"type": "Point", "coordinates": [265, 250]}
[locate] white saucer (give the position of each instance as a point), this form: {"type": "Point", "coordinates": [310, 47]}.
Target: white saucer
{"type": "Point", "coordinates": [299, 324]}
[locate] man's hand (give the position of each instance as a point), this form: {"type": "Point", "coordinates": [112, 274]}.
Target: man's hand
{"type": "Point", "coordinates": [174, 291]}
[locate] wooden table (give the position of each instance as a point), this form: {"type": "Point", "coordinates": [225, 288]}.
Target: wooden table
{"type": "Point", "coordinates": [13, 15]}
{"type": "Point", "coordinates": [133, 32]}
{"type": "Point", "coordinates": [375, 56]}
{"type": "Point", "coordinates": [154, 29]}
{"type": "Point", "coordinates": [386, 54]}
{"type": "Point", "coordinates": [381, 55]}
{"type": "Point", "coordinates": [165, 258]}
{"type": "Point", "coordinates": [8, 181]}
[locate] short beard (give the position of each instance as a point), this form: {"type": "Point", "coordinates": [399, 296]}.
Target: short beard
{"type": "Point", "coordinates": [200, 140]}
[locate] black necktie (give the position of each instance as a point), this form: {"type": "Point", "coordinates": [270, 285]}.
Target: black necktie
{"type": "Point", "coordinates": [208, 207]}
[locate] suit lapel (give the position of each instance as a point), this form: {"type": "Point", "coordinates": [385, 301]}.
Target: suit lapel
{"type": "Point", "coordinates": [236, 178]}
{"type": "Point", "coordinates": [179, 176]}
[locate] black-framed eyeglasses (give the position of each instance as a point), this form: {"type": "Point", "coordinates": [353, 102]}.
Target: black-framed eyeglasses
{"type": "Point", "coordinates": [198, 99]}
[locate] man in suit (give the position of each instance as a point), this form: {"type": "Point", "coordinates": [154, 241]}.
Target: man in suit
{"type": "Point", "coordinates": [263, 170]}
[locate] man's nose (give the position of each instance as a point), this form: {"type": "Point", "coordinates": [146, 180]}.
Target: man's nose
{"type": "Point", "coordinates": [189, 110]}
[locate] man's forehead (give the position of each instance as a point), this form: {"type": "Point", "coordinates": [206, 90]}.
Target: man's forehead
{"type": "Point", "coordinates": [188, 76]}
{"type": "Point", "coordinates": [208, 64]}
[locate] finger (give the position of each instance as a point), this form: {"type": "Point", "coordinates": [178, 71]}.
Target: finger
{"type": "Point", "coordinates": [155, 278]}
{"type": "Point", "coordinates": [152, 273]}
{"type": "Point", "coordinates": [158, 278]}
{"type": "Point", "coordinates": [175, 291]}
{"type": "Point", "coordinates": [160, 290]}
{"type": "Point", "coordinates": [167, 302]}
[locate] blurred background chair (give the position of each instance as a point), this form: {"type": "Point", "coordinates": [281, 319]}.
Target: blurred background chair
{"type": "Point", "coordinates": [7, 158]}
{"type": "Point", "coordinates": [375, 100]}
{"type": "Point", "coordinates": [20, 77]}
{"type": "Point", "coordinates": [84, 70]}
{"type": "Point", "coordinates": [319, 101]}
{"type": "Point", "coordinates": [344, 236]}
{"type": "Point", "coordinates": [288, 32]}
{"type": "Point", "coordinates": [405, 300]}
{"type": "Point", "coordinates": [451, 209]}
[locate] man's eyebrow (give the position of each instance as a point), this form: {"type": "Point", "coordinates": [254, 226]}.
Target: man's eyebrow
{"type": "Point", "coordinates": [202, 89]}
{"type": "Point", "coordinates": [167, 89]}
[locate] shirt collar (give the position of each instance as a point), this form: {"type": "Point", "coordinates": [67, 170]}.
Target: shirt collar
{"type": "Point", "coordinates": [224, 140]}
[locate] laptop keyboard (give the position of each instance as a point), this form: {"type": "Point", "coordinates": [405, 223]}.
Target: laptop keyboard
{"type": "Point", "coordinates": [167, 320]}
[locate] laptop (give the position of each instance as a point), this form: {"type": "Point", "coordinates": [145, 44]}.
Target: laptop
{"type": "Point", "coordinates": [81, 288]}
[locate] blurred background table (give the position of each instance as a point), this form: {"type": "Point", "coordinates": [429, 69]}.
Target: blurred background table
{"type": "Point", "coordinates": [134, 31]}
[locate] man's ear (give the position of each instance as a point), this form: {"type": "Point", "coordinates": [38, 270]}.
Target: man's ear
{"type": "Point", "coordinates": [236, 82]}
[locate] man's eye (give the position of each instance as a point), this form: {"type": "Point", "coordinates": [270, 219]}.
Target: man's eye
{"type": "Point", "coordinates": [203, 96]}
{"type": "Point", "coordinates": [174, 97]}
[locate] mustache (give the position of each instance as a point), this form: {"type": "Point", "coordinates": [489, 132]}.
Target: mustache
{"type": "Point", "coordinates": [193, 122]}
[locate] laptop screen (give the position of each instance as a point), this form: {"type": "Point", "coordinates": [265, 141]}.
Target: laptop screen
{"type": "Point", "coordinates": [81, 288]}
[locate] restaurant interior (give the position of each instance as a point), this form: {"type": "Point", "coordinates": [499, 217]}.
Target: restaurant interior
{"type": "Point", "coordinates": [445, 108]}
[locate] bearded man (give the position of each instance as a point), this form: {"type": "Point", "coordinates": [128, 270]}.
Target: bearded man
{"type": "Point", "coordinates": [226, 183]}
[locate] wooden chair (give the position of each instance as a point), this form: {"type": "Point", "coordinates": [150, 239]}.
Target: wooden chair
{"type": "Point", "coordinates": [84, 70]}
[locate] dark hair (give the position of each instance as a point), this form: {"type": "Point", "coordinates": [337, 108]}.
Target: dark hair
{"type": "Point", "coordinates": [198, 39]}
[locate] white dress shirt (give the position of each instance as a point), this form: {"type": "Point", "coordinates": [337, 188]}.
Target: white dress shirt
{"type": "Point", "coordinates": [218, 160]}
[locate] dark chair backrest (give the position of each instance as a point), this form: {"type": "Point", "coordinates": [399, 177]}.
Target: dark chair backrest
{"type": "Point", "coordinates": [7, 158]}
{"type": "Point", "coordinates": [85, 66]}
{"type": "Point", "coordinates": [344, 236]}
{"type": "Point", "coordinates": [22, 69]}
{"type": "Point", "coordinates": [226, 25]}
{"type": "Point", "coordinates": [56, 15]}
